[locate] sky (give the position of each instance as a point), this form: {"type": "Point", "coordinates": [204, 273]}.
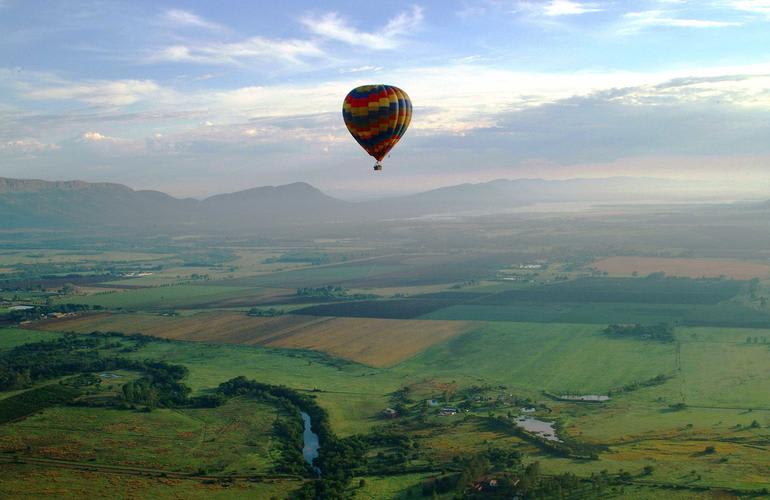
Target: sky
{"type": "Point", "coordinates": [196, 98]}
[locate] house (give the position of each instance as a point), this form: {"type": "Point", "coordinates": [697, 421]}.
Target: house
{"type": "Point", "coordinates": [486, 484]}
{"type": "Point", "coordinates": [389, 413]}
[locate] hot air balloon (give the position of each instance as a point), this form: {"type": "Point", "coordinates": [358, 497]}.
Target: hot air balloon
{"type": "Point", "coordinates": [377, 116]}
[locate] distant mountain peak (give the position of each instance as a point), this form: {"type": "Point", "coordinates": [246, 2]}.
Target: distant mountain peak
{"type": "Point", "coordinates": [8, 185]}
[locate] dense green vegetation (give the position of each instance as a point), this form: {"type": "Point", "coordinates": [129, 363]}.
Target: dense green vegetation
{"type": "Point", "coordinates": [332, 292]}
{"type": "Point", "coordinates": [34, 400]}
{"type": "Point", "coordinates": [262, 312]}
{"type": "Point", "coordinates": [660, 332]}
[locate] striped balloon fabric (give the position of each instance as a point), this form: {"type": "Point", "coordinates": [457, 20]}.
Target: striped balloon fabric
{"type": "Point", "coordinates": [377, 117]}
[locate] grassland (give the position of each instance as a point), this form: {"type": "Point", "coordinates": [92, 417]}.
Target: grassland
{"type": "Point", "coordinates": [556, 357]}
{"type": "Point", "coordinates": [11, 337]}
{"type": "Point", "coordinates": [46, 482]}
{"type": "Point", "coordinates": [235, 438]}
{"type": "Point", "coordinates": [166, 297]}
{"type": "Point", "coordinates": [639, 427]}
{"type": "Point", "coordinates": [688, 268]}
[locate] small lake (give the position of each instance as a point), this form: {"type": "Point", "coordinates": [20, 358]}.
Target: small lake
{"type": "Point", "coordinates": [545, 430]}
{"type": "Point", "coordinates": [310, 443]}
{"type": "Point", "coordinates": [590, 398]}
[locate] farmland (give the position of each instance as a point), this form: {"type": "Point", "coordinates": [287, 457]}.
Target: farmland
{"type": "Point", "coordinates": [687, 268]}
{"type": "Point", "coordinates": [359, 326]}
{"type": "Point", "coordinates": [375, 342]}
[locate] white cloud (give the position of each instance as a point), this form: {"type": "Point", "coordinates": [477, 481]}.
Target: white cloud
{"type": "Point", "coordinates": [183, 18]}
{"type": "Point", "coordinates": [569, 8]}
{"type": "Point", "coordinates": [638, 21]}
{"type": "Point", "coordinates": [98, 93]}
{"type": "Point", "coordinates": [334, 27]}
{"type": "Point", "coordinates": [254, 48]}
{"type": "Point", "coordinates": [362, 69]}
{"type": "Point", "coordinates": [95, 137]}
{"type": "Point", "coordinates": [754, 6]}
{"type": "Point", "coordinates": [25, 146]}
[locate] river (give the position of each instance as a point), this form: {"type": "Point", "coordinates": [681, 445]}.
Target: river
{"type": "Point", "coordinates": [310, 443]}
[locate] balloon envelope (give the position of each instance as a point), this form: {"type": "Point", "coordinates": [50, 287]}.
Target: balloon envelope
{"type": "Point", "coordinates": [377, 117]}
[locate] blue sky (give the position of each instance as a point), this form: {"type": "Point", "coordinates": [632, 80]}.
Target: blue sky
{"type": "Point", "coordinates": [195, 98]}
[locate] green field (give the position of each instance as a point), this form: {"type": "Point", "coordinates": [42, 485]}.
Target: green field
{"type": "Point", "coordinates": [11, 337]}
{"type": "Point", "coordinates": [554, 357]}
{"type": "Point", "coordinates": [235, 438]}
{"type": "Point", "coordinates": [587, 312]}
{"type": "Point", "coordinates": [164, 297]}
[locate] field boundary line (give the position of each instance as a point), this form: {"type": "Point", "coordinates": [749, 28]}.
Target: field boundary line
{"type": "Point", "coordinates": [138, 471]}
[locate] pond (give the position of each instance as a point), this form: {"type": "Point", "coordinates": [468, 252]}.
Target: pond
{"type": "Point", "coordinates": [545, 430]}
{"type": "Point", "coordinates": [589, 398]}
{"type": "Point", "coordinates": [310, 443]}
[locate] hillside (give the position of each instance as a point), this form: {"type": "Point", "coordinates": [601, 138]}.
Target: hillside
{"type": "Point", "coordinates": [78, 204]}
{"type": "Point", "coordinates": [41, 204]}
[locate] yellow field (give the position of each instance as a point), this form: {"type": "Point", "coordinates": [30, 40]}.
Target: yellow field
{"type": "Point", "coordinates": [375, 342]}
{"type": "Point", "coordinates": [691, 268]}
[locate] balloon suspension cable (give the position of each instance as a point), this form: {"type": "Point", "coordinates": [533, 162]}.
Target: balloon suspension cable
{"type": "Point", "coordinates": [377, 166]}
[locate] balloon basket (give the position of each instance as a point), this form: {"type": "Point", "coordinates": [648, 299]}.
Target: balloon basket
{"type": "Point", "coordinates": [377, 167]}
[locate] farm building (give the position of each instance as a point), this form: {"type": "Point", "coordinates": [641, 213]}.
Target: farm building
{"type": "Point", "coordinates": [389, 413]}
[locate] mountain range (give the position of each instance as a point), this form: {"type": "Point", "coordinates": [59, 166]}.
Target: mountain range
{"type": "Point", "coordinates": [28, 203]}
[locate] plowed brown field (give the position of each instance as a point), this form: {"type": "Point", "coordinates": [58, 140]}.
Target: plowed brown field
{"type": "Point", "coordinates": [371, 341]}
{"type": "Point", "coordinates": [691, 268]}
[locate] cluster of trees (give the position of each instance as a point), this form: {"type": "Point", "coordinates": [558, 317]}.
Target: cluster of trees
{"type": "Point", "coordinates": [322, 291]}
{"type": "Point", "coordinates": [498, 473]}
{"type": "Point", "coordinates": [338, 459]}
{"type": "Point", "coordinates": [161, 385]}
{"type": "Point", "coordinates": [657, 380]}
{"type": "Point", "coordinates": [30, 363]}
{"type": "Point", "coordinates": [314, 258]}
{"type": "Point", "coordinates": [265, 313]}
{"type": "Point", "coordinates": [332, 292]}
{"type": "Point", "coordinates": [20, 315]}
{"type": "Point", "coordinates": [661, 332]}
{"type": "Point", "coordinates": [29, 402]}
{"type": "Point", "coordinates": [290, 431]}
{"type": "Point", "coordinates": [207, 258]}
{"type": "Point", "coordinates": [397, 450]}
